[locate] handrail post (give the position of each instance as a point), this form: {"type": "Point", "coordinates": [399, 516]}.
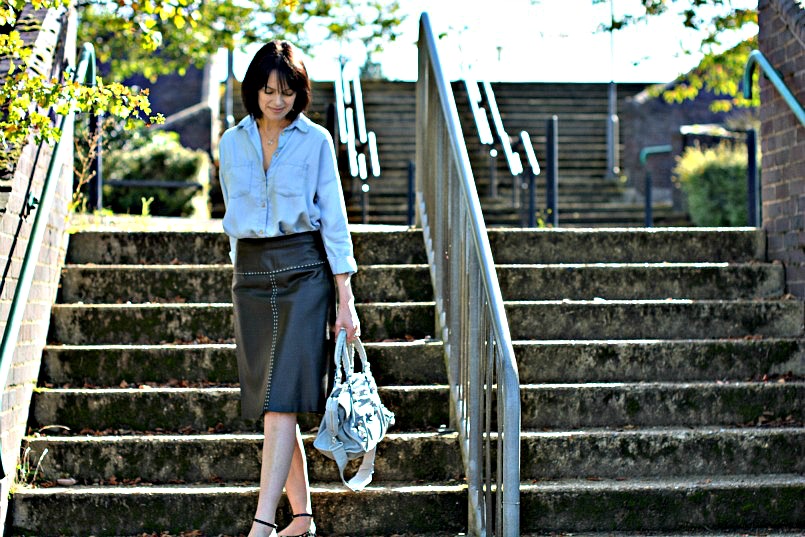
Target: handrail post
{"type": "Point", "coordinates": [613, 135]}
{"type": "Point", "coordinates": [751, 179]}
{"type": "Point", "coordinates": [649, 186]}
{"type": "Point", "coordinates": [552, 148]}
{"type": "Point", "coordinates": [411, 190]}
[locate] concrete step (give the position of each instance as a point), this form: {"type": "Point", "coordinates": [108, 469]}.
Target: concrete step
{"type": "Point", "coordinates": [184, 323]}
{"type": "Point", "coordinates": [421, 362]}
{"type": "Point", "coordinates": [619, 281]}
{"type": "Point", "coordinates": [640, 245]}
{"type": "Point", "coordinates": [393, 363]}
{"type": "Point", "coordinates": [94, 284]}
{"type": "Point", "coordinates": [98, 284]}
{"type": "Point", "coordinates": [654, 319]}
{"type": "Point", "coordinates": [228, 510]}
{"type": "Point", "coordinates": [670, 504]}
{"type": "Point", "coordinates": [397, 244]}
{"type": "Point", "coordinates": [605, 453]}
{"type": "Point", "coordinates": [674, 452]}
{"type": "Point", "coordinates": [373, 246]}
{"type": "Point", "coordinates": [660, 404]}
{"type": "Point", "coordinates": [417, 408]}
{"type": "Point", "coordinates": [190, 459]}
{"type": "Point", "coordinates": [553, 406]}
{"type": "Point", "coordinates": [657, 360]}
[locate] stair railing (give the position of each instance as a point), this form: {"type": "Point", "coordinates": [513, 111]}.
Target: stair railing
{"type": "Point", "coordinates": [503, 139]}
{"type": "Point", "coordinates": [85, 72]}
{"type": "Point", "coordinates": [469, 306]}
{"type": "Point", "coordinates": [757, 58]}
{"type": "Point", "coordinates": [361, 143]}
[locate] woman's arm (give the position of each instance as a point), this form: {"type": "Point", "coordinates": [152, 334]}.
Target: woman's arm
{"type": "Point", "coordinates": [346, 317]}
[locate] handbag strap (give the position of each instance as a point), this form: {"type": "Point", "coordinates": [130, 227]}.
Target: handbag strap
{"type": "Point", "coordinates": [364, 475]}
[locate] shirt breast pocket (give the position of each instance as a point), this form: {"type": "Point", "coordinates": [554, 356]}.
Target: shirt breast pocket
{"type": "Point", "coordinates": [240, 179]}
{"type": "Point", "coordinates": [290, 179]}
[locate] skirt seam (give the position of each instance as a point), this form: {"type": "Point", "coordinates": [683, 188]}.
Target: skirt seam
{"type": "Point", "coordinates": [275, 323]}
{"type": "Point", "coordinates": [269, 273]}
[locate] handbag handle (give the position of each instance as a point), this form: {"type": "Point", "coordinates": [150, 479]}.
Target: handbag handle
{"type": "Point", "coordinates": [345, 354]}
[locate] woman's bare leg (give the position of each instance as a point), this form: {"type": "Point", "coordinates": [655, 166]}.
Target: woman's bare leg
{"type": "Point", "coordinates": [280, 432]}
{"type": "Point", "coordinates": [297, 488]}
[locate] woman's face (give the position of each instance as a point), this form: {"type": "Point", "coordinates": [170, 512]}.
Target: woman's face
{"type": "Point", "coordinates": [276, 100]}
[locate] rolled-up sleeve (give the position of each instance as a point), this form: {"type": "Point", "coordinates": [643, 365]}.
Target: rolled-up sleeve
{"type": "Point", "coordinates": [330, 199]}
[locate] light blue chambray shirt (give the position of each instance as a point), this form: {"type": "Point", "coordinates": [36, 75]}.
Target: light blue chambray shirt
{"type": "Point", "coordinates": [301, 191]}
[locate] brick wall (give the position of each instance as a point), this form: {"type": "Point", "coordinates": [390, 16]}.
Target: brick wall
{"type": "Point", "coordinates": [782, 41]}
{"type": "Point", "coordinates": [15, 228]}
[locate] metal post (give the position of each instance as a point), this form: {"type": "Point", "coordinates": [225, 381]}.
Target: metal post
{"type": "Point", "coordinates": [613, 167]}
{"type": "Point", "coordinates": [411, 191]}
{"type": "Point", "coordinates": [230, 83]}
{"type": "Point", "coordinates": [493, 173]}
{"type": "Point", "coordinates": [95, 185]}
{"type": "Point", "coordinates": [752, 182]}
{"type": "Point", "coordinates": [532, 205]}
{"type": "Point", "coordinates": [364, 203]}
{"type": "Point", "coordinates": [649, 194]}
{"type": "Point", "coordinates": [553, 170]}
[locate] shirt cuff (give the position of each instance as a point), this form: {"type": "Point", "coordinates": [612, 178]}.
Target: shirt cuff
{"type": "Point", "coordinates": [343, 265]}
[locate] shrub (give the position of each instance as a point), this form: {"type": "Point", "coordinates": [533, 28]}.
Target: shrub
{"type": "Point", "coordinates": [150, 155]}
{"type": "Point", "coordinates": [714, 181]}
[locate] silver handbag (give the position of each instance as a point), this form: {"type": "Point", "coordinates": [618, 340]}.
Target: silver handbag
{"type": "Point", "coordinates": [354, 419]}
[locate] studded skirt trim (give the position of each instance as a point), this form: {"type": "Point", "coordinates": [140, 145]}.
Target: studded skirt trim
{"type": "Point", "coordinates": [284, 301]}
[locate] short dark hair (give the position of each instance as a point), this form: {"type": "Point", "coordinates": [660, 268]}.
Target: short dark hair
{"type": "Point", "coordinates": [276, 56]}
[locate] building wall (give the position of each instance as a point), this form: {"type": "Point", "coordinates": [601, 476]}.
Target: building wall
{"type": "Point", "coordinates": [782, 41]}
{"type": "Point", "coordinates": [15, 229]}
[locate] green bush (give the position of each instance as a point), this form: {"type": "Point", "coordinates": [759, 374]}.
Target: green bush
{"type": "Point", "coordinates": [152, 155]}
{"type": "Point", "coordinates": [714, 181]}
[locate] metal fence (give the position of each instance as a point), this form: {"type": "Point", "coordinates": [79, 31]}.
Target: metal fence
{"type": "Point", "coordinates": [482, 372]}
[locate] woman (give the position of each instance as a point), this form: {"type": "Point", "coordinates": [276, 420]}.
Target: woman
{"type": "Point", "coordinates": [287, 224]}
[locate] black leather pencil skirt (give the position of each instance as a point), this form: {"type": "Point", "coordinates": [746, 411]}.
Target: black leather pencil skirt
{"type": "Point", "coordinates": [284, 301]}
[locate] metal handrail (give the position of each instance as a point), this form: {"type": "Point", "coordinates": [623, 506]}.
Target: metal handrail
{"type": "Point", "coordinates": [86, 71]}
{"type": "Point", "coordinates": [648, 194]}
{"type": "Point", "coordinates": [469, 305]}
{"type": "Point", "coordinates": [757, 58]}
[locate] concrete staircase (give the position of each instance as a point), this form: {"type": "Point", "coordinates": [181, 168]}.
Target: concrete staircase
{"type": "Point", "coordinates": [648, 364]}
{"type": "Point", "coordinates": [138, 401]}
{"type": "Point", "coordinates": [586, 198]}
{"type": "Point", "coordinates": [654, 378]}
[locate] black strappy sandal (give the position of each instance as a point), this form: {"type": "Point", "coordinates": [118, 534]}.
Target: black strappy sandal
{"type": "Point", "coordinates": [264, 523]}
{"type": "Point", "coordinates": [309, 533]}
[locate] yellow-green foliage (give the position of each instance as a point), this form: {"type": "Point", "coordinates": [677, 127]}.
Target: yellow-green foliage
{"type": "Point", "coordinates": [715, 183]}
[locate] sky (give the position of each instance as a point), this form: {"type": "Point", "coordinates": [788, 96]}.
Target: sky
{"type": "Point", "coordinates": [527, 40]}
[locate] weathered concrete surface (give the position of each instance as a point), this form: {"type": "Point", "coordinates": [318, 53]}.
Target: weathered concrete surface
{"type": "Point", "coordinates": [653, 404]}
{"type": "Point", "coordinates": [408, 457]}
{"type": "Point", "coordinates": [654, 319]}
{"type": "Point", "coordinates": [660, 452]}
{"type": "Point", "coordinates": [664, 504]}
{"type": "Point", "coordinates": [175, 323]}
{"type": "Point", "coordinates": [109, 284]}
{"type": "Point", "coordinates": [228, 510]}
{"type": "Point", "coordinates": [639, 245]}
{"type": "Point", "coordinates": [372, 245]}
{"type": "Point", "coordinates": [657, 360]}
{"type": "Point", "coordinates": [431, 456]}
{"type": "Point", "coordinates": [640, 281]}
{"type": "Point", "coordinates": [393, 363]}
{"type": "Point", "coordinates": [172, 409]}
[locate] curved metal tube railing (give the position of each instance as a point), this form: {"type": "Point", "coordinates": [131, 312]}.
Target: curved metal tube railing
{"type": "Point", "coordinates": [84, 72]}
{"type": "Point", "coordinates": [469, 306]}
{"type": "Point", "coordinates": [757, 58]}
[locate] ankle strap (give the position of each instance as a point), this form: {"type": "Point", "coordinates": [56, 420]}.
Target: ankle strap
{"type": "Point", "coordinates": [302, 514]}
{"type": "Point", "coordinates": [264, 523]}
